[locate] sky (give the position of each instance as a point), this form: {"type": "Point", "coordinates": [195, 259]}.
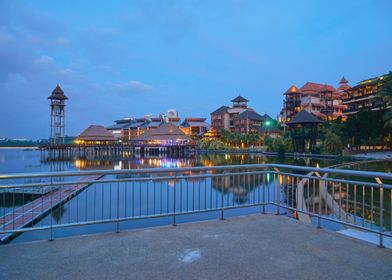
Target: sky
{"type": "Point", "coordinates": [119, 59]}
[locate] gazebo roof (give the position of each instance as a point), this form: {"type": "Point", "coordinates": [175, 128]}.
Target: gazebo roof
{"type": "Point", "coordinates": [58, 93]}
{"type": "Point", "coordinates": [304, 117]}
{"type": "Point", "coordinates": [96, 133]}
{"type": "Point", "coordinates": [239, 99]}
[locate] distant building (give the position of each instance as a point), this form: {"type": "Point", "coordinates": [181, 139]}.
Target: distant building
{"type": "Point", "coordinates": [363, 96]}
{"type": "Point", "coordinates": [128, 129]}
{"type": "Point", "coordinates": [238, 118]}
{"type": "Point", "coordinates": [95, 135]}
{"type": "Point", "coordinates": [322, 100]}
{"type": "Point", "coordinates": [194, 126]}
{"type": "Point", "coordinates": [167, 138]}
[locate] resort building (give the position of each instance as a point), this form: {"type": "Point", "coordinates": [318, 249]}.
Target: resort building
{"type": "Point", "coordinates": [238, 118]}
{"type": "Point", "coordinates": [322, 100]}
{"type": "Point", "coordinates": [167, 138]}
{"type": "Point", "coordinates": [128, 129]}
{"type": "Point", "coordinates": [95, 135]}
{"type": "Point", "coordinates": [363, 96]}
{"type": "Point", "coordinates": [194, 126]}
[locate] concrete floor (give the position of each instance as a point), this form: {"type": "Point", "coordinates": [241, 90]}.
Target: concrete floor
{"type": "Point", "coordinates": [248, 247]}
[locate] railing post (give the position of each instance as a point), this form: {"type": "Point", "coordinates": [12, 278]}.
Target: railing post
{"type": "Point", "coordinates": [263, 192]}
{"type": "Point", "coordinates": [174, 200]}
{"type": "Point", "coordinates": [118, 208]}
{"type": "Point", "coordinates": [381, 241]}
{"type": "Point", "coordinates": [51, 209]}
{"type": "Point", "coordinates": [222, 201]}
{"type": "Point", "coordinates": [319, 207]}
{"type": "Point", "coordinates": [278, 196]}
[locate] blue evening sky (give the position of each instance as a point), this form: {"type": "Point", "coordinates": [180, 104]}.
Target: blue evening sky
{"type": "Point", "coordinates": [117, 59]}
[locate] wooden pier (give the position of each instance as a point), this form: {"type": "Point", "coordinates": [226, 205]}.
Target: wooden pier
{"type": "Point", "coordinates": [67, 151]}
{"type": "Point", "coordinates": [40, 207]}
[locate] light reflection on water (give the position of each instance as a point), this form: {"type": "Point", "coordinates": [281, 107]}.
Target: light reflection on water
{"type": "Point", "coordinates": [147, 198]}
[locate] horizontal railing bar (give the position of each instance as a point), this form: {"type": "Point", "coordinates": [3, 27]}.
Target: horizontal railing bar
{"type": "Point", "coordinates": [122, 219]}
{"type": "Point", "coordinates": [332, 220]}
{"type": "Point", "coordinates": [370, 174]}
{"type": "Point", "coordinates": [143, 179]}
{"type": "Point", "coordinates": [328, 179]}
{"type": "Point", "coordinates": [126, 180]}
{"type": "Point", "coordinates": [128, 171]}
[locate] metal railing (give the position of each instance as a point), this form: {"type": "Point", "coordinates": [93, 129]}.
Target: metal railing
{"type": "Point", "coordinates": [357, 199]}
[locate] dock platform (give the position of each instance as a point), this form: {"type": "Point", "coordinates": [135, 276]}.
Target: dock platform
{"type": "Point", "coordinates": [40, 207]}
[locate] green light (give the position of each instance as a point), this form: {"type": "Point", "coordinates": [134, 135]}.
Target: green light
{"type": "Point", "coordinates": [267, 123]}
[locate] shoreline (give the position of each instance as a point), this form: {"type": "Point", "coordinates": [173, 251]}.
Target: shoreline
{"type": "Point", "coordinates": [20, 148]}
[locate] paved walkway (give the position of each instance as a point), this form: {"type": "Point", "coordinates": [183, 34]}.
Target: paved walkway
{"type": "Point", "coordinates": [249, 247]}
{"type": "Point", "coordinates": [375, 155]}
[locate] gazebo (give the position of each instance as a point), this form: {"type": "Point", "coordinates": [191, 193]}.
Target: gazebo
{"type": "Point", "coordinates": [304, 131]}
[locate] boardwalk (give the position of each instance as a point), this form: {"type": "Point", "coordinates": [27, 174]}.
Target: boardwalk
{"type": "Point", "coordinates": [39, 208]}
{"type": "Point", "coordinates": [251, 247]}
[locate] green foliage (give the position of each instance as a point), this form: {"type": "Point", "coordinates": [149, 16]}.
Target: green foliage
{"type": "Point", "coordinates": [279, 144]}
{"type": "Point", "coordinates": [211, 145]}
{"type": "Point", "coordinates": [332, 143]}
{"type": "Point", "coordinates": [235, 139]}
{"type": "Point", "coordinates": [268, 143]}
{"type": "Point", "coordinates": [366, 128]}
{"type": "Point", "coordinates": [386, 96]}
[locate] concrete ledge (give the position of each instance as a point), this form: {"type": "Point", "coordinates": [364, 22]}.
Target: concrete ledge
{"type": "Point", "coordinates": [248, 247]}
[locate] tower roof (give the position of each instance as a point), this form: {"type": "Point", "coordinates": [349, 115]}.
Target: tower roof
{"type": "Point", "coordinates": [292, 89]}
{"type": "Point", "coordinates": [58, 93]}
{"type": "Point", "coordinates": [239, 98]}
{"type": "Point", "coordinates": [343, 81]}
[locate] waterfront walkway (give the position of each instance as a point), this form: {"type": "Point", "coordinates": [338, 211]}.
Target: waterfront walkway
{"type": "Point", "coordinates": [249, 247]}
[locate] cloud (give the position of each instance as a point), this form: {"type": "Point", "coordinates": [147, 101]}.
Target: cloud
{"type": "Point", "coordinates": [133, 86]}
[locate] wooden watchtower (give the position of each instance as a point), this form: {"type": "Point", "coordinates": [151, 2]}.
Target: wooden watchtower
{"type": "Point", "coordinates": [57, 116]}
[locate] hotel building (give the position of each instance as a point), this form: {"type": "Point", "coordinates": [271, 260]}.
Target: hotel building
{"type": "Point", "coordinates": [238, 118]}
{"type": "Point", "coordinates": [363, 96]}
{"type": "Point", "coordinates": [322, 100]}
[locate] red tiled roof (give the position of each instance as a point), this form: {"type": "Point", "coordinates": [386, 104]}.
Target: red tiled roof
{"type": "Point", "coordinates": [310, 88]}
{"type": "Point", "coordinates": [343, 87]}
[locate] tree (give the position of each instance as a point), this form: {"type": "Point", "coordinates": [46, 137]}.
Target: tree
{"type": "Point", "coordinates": [386, 95]}
{"type": "Point", "coordinates": [278, 146]}
{"type": "Point", "coordinates": [332, 143]}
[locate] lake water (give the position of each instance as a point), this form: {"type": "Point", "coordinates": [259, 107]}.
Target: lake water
{"type": "Point", "coordinates": [144, 198]}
